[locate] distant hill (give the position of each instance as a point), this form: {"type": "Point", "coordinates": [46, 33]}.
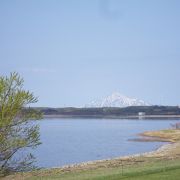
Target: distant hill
{"type": "Point", "coordinates": [112, 111]}
{"type": "Point", "coordinates": [117, 100]}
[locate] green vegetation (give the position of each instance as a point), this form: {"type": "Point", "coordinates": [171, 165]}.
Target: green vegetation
{"type": "Point", "coordinates": [112, 111]}
{"type": "Point", "coordinates": [149, 169]}
{"type": "Point", "coordinates": [17, 132]}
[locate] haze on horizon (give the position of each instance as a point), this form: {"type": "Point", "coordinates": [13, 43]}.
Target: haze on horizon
{"type": "Point", "coordinates": [72, 52]}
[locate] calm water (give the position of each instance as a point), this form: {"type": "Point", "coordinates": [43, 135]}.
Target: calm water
{"type": "Point", "coordinates": [71, 141]}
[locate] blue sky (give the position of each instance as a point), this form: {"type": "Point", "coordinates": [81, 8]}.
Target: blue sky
{"type": "Point", "coordinates": [72, 52]}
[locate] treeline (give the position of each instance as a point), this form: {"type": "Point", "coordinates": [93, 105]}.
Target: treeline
{"type": "Point", "coordinates": [112, 111]}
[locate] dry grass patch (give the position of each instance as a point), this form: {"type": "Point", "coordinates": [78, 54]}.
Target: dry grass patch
{"type": "Point", "coordinates": [171, 135]}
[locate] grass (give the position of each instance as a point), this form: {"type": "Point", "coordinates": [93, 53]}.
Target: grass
{"type": "Point", "coordinates": [171, 135]}
{"type": "Point", "coordinates": [149, 168]}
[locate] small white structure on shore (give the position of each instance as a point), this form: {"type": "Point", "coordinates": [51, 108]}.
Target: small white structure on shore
{"type": "Point", "coordinates": [141, 114]}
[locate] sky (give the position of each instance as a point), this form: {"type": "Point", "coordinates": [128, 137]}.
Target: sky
{"type": "Point", "coordinates": [72, 52]}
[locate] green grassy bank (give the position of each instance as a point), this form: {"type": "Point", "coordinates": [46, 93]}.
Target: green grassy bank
{"type": "Point", "coordinates": [139, 169]}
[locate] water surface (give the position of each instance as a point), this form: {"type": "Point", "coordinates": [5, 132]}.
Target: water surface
{"type": "Point", "coordinates": [68, 141]}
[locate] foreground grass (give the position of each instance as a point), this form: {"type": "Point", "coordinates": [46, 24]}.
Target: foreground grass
{"type": "Point", "coordinates": [148, 168]}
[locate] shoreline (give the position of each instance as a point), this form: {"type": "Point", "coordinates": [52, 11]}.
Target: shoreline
{"type": "Point", "coordinates": [169, 150]}
{"type": "Point", "coordinates": [112, 117]}
{"type": "Point", "coordinates": [121, 164]}
{"type": "Point", "coordinates": [164, 151]}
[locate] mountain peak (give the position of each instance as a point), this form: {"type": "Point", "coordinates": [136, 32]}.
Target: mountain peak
{"type": "Point", "coordinates": [117, 99]}
{"type": "Point", "coordinates": [117, 94]}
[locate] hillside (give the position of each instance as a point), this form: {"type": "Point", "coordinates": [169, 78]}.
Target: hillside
{"type": "Point", "coordinates": [112, 111]}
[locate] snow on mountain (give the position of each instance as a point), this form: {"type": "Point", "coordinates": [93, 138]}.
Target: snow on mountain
{"type": "Point", "coordinates": [117, 100]}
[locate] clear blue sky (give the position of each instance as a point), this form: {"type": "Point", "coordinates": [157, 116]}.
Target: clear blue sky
{"type": "Point", "coordinates": [71, 52]}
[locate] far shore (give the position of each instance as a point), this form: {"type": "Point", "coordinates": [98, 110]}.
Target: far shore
{"type": "Point", "coordinates": [164, 117]}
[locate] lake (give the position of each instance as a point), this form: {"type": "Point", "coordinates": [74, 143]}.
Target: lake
{"type": "Point", "coordinates": [69, 141]}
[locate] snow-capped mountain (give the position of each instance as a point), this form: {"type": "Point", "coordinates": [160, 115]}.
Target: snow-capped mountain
{"type": "Point", "coordinates": [117, 100]}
